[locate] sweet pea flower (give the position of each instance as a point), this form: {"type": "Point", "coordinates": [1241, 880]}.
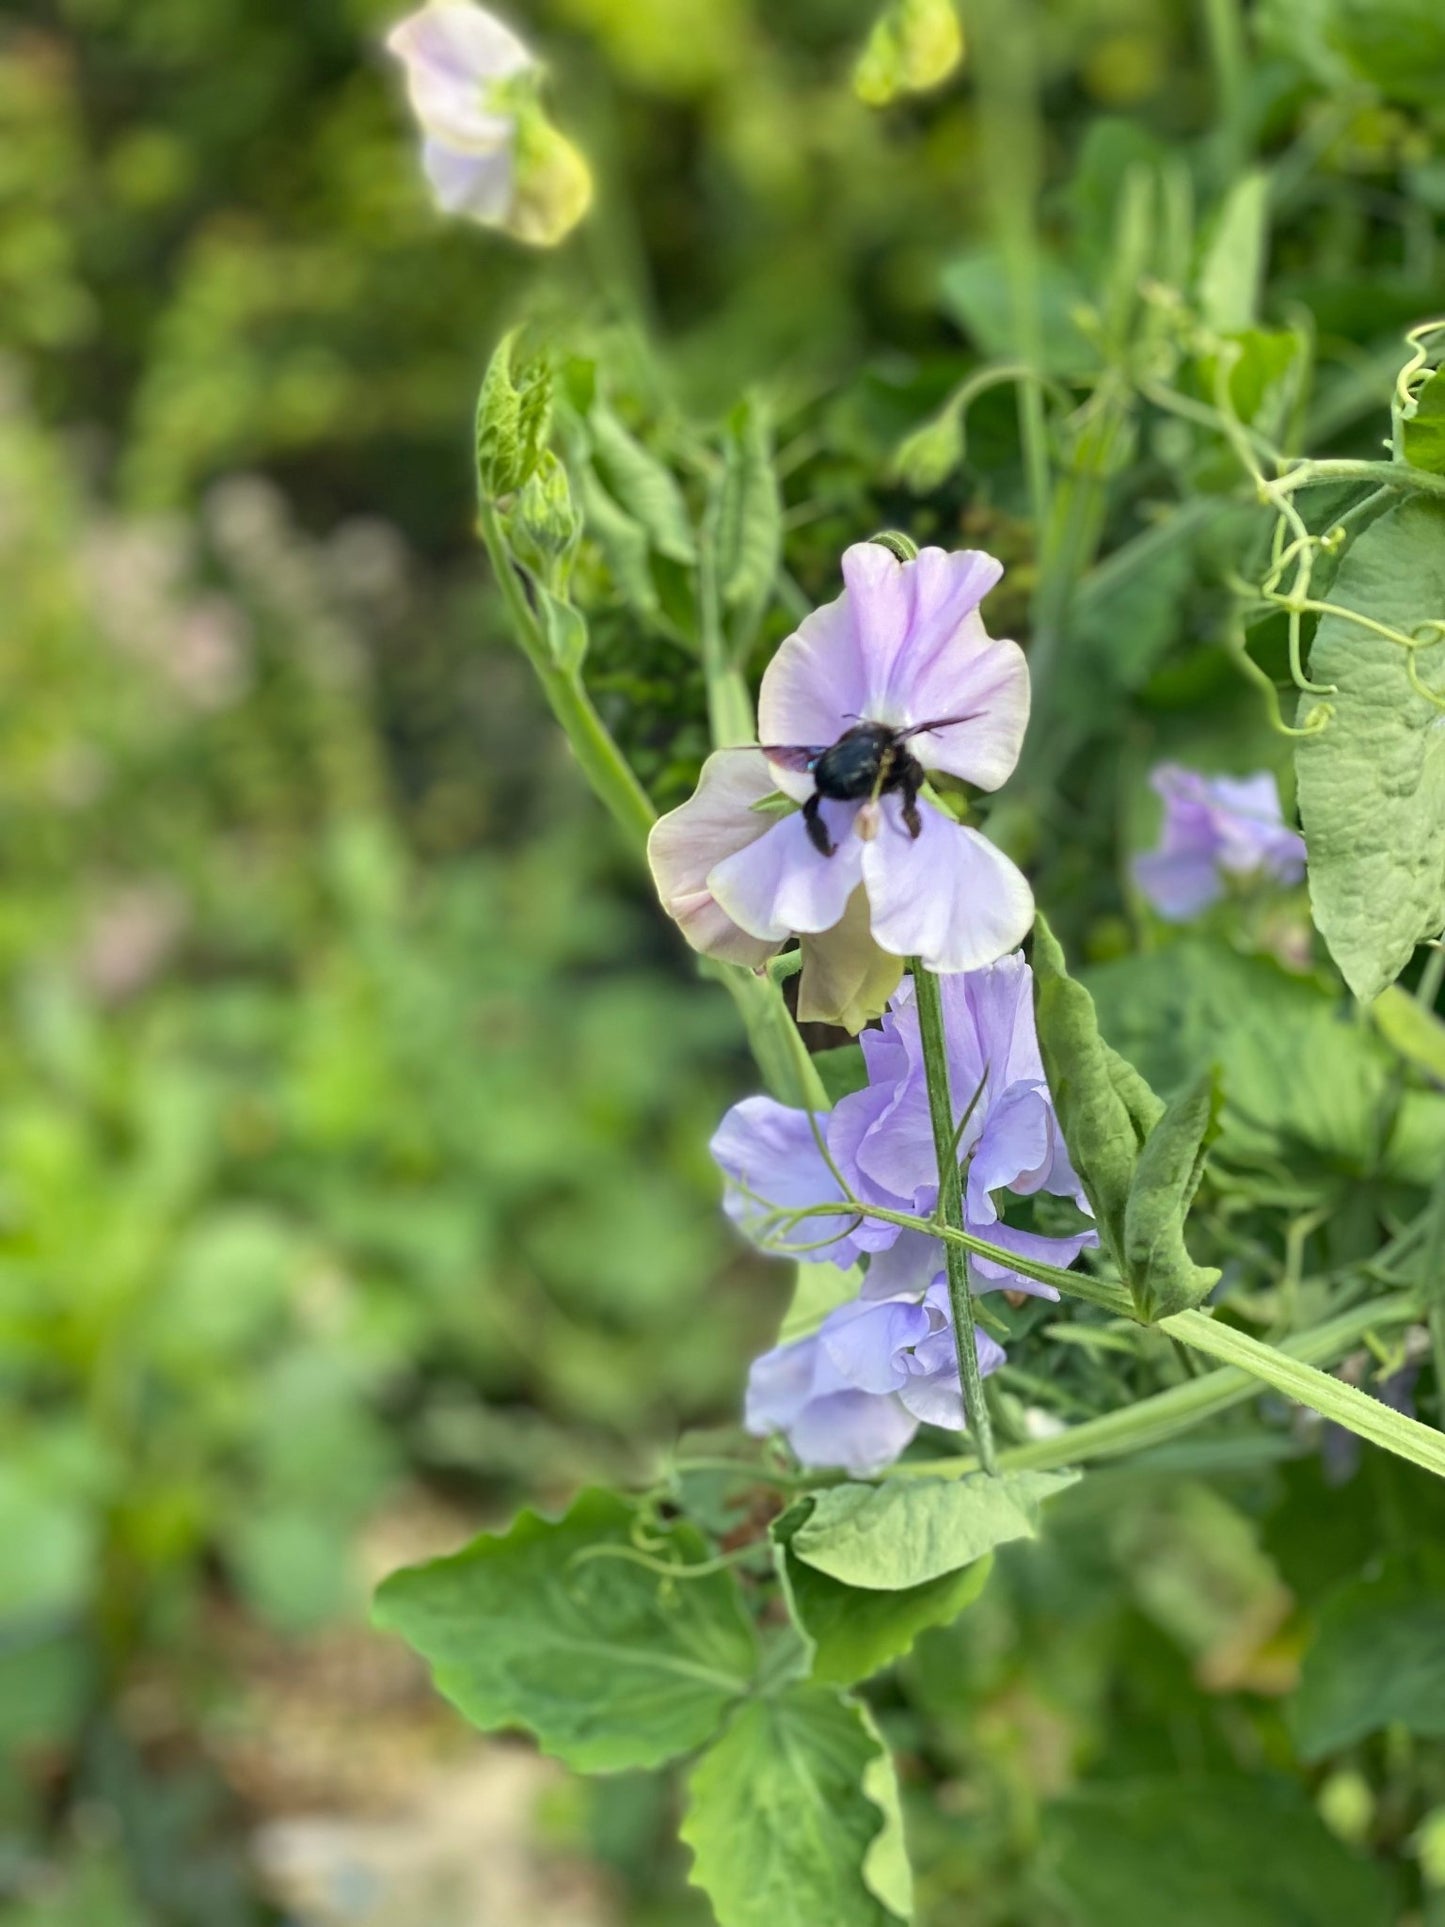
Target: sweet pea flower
{"type": "Point", "coordinates": [904, 648]}
{"type": "Point", "coordinates": [1215, 827]}
{"type": "Point", "coordinates": [876, 1146]}
{"type": "Point", "coordinates": [488, 150]}
{"type": "Point", "coordinates": [846, 979]}
{"type": "Point", "coordinates": [855, 1392]}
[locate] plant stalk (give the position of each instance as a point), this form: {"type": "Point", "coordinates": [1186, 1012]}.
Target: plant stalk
{"type": "Point", "coordinates": [950, 1208]}
{"type": "Point", "coordinates": [1154, 1421]}
{"type": "Point", "coordinates": [773, 1038]}
{"type": "Point", "coordinates": [598, 756]}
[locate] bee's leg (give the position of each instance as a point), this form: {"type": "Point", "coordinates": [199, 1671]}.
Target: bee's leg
{"type": "Point", "coordinates": [910, 781]}
{"type": "Point", "coordinates": [817, 829]}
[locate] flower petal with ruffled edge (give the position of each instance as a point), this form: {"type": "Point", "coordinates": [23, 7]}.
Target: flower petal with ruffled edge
{"type": "Point", "coordinates": [716, 821]}
{"type": "Point", "coordinates": [773, 1162]}
{"type": "Point", "coordinates": [794, 1390]}
{"type": "Point", "coordinates": [947, 896]}
{"type": "Point", "coordinates": [865, 1342]}
{"type": "Point", "coordinates": [453, 52]}
{"type": "Point", "coordinates": [903, 645]}
{"type": "Point", "coordinates": [782, 883]}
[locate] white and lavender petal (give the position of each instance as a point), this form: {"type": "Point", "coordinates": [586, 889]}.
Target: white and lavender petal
{"type": "Point", "coordinates": [781, 883]}
{"type": "Point", "coordinates": [772, 1162]}
{"type": "Point", "coordinates": [946, 896]}
{"type": "Point", "coordinates": [717, 820]}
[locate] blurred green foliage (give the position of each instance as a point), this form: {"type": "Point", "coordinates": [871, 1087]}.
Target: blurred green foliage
{"type": "Point", "coordinates": [353, 1099]}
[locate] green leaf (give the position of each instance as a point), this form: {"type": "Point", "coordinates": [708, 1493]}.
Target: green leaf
{"type": "Point", "coordinates": [792, 1818]}
{"type": "Point", "coordinates": [1372, 784]}
{"type": "Point", "coordinates": [817, 1290]}
{"type": "Point", "coordinates": [514, 409]}
{"type": "Point", "coordinates": [1377, 1660]}
{"type": "Point", "coordinates": [1266, 368]}
{"type": "Point", "coordinates": [1309, 1094]}
{"type": "Point", "coordinates": [645, 488]}
{"type": "Point", "coordinates": [1397, 45]}
{"type": "Point", "coordinates": [750, 520]}
{"type": "Point", "coordinates": [607, 1663]}
{"type": "Point", "coordinates": [1162, 1275]}
{"type": "Point", "coordinates": [1422, 428]}
{"type": "Point", "coordinates": [1229, 275]}
{"type": "Point", "coordinates": [905, 1532]}
{"type": "Point", "coordinates": [975, 291]}
{"type": "Point", "coordinates": [1127, 614]}
{"type": "Point", "coordinates": [1105, 1108]}
{"type": "Point", "coordinates": [1414, 1031]}
{"type": "Point", "coordinates": [1203, 1853]}
{"type": "Point", "coordinates": [842, 1070]}
{"type": "Point", "coordinates": [563, 628]}
{"type": "Point", "coordinates": [855, 1633]}
{"type": "Point", "coordinates": [623, 543]}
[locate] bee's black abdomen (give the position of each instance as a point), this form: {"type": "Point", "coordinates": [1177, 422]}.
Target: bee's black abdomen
{"type": "Point", "coordinates": [849, 770]}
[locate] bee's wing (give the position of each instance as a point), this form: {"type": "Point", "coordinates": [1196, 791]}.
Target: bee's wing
{"type": "Point", "coordinates": [939, 722]}
{"type": "Point", "coordinates": [796, 756]}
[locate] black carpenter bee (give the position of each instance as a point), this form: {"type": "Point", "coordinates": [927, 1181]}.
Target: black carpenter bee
{"type": "Point", "coordinates": [868, 760]}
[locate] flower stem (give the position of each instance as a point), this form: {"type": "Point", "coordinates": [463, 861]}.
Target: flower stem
{"type": "Point", "coordinates": [950, 1208]}
{"type": "Point", "coordinates": [773, 1037]}
{"type": "Point", "coordinates": [1369, 1417]}
{"type": "Point", "coordinates": [598, 756]}
{"type": "Point", "coordinates": [1154, 1421]}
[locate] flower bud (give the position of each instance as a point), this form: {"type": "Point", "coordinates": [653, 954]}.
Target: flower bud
{"type": "Point", "coordinates": [514, 409]}
{"type": "Point", "coordinates": [914, 45]}
{"type": "Point", "coordinates": [544, 525]}
{"type": "Point", "coordinates": [553, 183]}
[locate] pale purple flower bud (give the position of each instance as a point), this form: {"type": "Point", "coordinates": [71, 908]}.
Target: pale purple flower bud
{"type": "Point", "coordinates": [1215, 827]}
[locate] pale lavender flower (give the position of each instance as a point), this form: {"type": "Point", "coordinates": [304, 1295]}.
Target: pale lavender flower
{"type": "Point", "coordinates": [846, 979]}
{"type": "Point", "coordinates": [488, 151]}
{"type": "Point", "coordinates": [878, 1142]}
{"type": "Point", "coordinates": [854, 1393]}
{"type": "Point", "coordinates": [903, 646]}
{"type": "Point", "coordinates": [1215, 827]}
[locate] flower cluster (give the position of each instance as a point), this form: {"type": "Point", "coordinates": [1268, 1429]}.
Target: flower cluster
{"type": "Point", "coordinates": [829, 830]}
{"type": "Point", "coordinates": [1215, 827]}
{"type": "Point", "coordinates": [854, 1393]}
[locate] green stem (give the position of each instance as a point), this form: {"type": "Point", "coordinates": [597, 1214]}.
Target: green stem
{"type": "Point", "coordinates": [1012, 142]}
{"type": "Point", "coordinates": [779, 1051]}
{"type": "Point", "coordinates": [598, 756]}
{"type": "Point", "coordinates": [1384, 474]}
{"type": "Point", "coordinates": [1154, 1421]}
{"type": "Point", "coordinates": [1431, 977]}
{"type": "Point", "coordinates": [1227, 52]}
{"type": "Point", "coordinates": [950, 1207]}
{"type": "Point", "coordinates": [729, 701]}
{"type": "Point", "coordinates": [1432, 1286]}
{"type": "Point", "coordinates": [1104, 1293]}
{"type": "Point", "coordinates": [1406, 1437]}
